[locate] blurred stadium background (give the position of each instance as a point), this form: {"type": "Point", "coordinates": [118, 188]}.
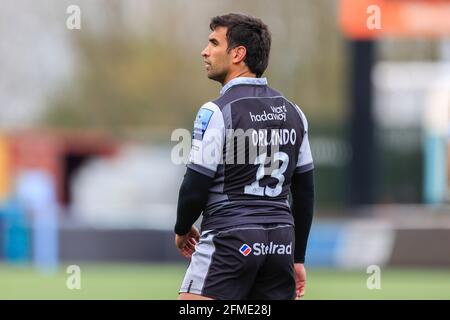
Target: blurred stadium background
{"type": "Point", "coordinates": [86, 118]}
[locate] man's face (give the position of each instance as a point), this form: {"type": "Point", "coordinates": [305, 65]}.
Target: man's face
{"type": "Point", "coordinates": [217, 59]}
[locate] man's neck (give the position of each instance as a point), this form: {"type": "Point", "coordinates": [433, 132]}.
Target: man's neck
{"type": "Point", "coordinates": [237, 74]}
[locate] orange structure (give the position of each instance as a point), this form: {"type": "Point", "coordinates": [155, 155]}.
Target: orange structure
{"type": "Point", "coordinates": [398, 18]}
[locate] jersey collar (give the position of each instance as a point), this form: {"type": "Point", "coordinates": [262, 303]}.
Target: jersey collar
{"type": "Point", "coordinates": [243, 80]}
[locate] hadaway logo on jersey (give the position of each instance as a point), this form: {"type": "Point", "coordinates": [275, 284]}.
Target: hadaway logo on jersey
{"type": "Point", "coordinates": [245, 249]}
{"type": "Point", "coordinates": [265, 249]}
{"type": "Point", "coordinates": [278, 113]}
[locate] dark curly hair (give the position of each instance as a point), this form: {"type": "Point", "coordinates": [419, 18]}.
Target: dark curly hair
{"type": "Point", "coordinates": [250, 32]}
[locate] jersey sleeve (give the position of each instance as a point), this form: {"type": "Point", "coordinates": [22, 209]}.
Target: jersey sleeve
{"type": "Point", "coordinates": [305, 160]}
{"type": "Point", "coordinates": [207, 140]}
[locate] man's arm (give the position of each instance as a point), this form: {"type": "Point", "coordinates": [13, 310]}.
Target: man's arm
{"type": "Point", "coordinates": [302, 189]}
{"type": "Point", "coordinates": [192, 199]}
{"type": "Point", "coordinates": [207, 136]}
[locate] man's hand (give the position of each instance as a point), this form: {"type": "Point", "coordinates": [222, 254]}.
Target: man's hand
{"type": "Point", "coordinates": [186, 244]}
{"type": "Point", "coordinates": [300, 280]}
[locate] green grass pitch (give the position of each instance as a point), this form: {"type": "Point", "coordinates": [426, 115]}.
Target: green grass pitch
{"type": "Point", "coordinates": [159, 281]}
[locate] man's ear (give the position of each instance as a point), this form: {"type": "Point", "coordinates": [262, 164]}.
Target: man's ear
{"type": "Point", "coordinates": [239, 54]}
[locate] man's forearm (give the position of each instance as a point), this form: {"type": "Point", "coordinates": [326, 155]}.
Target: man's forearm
{"type": "Point", "coordinates": [192, 199]}
{"type": "Point", "coordinates": [302, 188]}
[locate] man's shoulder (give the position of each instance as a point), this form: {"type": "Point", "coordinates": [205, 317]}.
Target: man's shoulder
{"type": "Point", "coordinates": [210, 105]}
{"type": "Point", "coordinates": [275, 92]}
{"type": "Point", "coordinates": [242, 92]}
{"type": "Point", "coordinates": [226, 98]}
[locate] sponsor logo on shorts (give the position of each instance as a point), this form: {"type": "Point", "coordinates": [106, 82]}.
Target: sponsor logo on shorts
{"type": "Point", "coordinates": [245, 249]}
{"type": "Point", "coordinates": [265, 249]}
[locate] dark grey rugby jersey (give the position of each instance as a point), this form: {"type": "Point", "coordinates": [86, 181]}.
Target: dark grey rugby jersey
{"type": "Point", "coordinates": [251, 140]}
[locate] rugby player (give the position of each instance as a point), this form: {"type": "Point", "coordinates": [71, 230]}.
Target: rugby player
{"type": "Point", "coordinates": [249, 150]}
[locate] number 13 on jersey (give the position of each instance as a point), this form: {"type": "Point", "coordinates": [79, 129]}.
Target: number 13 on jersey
{"type": "Point", "coordinates": [255, 189]}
